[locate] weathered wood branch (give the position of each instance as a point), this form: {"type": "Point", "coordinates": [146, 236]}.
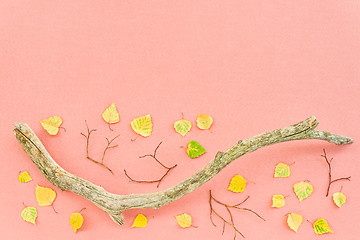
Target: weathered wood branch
{"type": "Point", "coordinates": [115, 204]}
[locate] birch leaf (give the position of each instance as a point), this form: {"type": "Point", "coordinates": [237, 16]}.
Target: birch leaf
{"type": "Point", "coordinates": [140, 221]}
{"type": "Point", "coordinates": [194, 149]}
{"type": "Point", "coordinates": [278, 201]}
{"type": "Point", "coordinates": [24, 177]}
{"type": "Point", "coordinates": [237, 184]}
{"type": "Point", "coordinates": [282, 170]}
{"type": "Point", "coordinates": [303, 190]}
{"type": "Point", "coordinates": [52, 124]}
{"type": "Point", "coordinates": [204, 121]}
{"type": "Point", "coordinates": [339, 199]}
{"type": "Point", "coordinates": [45, 196]}
{"type": "Point", "coordinates": [29, 214]}
{"type": "Point", "coordinates": [182, 127]}
{"type": "Point", "coordinates": [294, 221]}
{"type": "Point", "coordinates": [111, 115]}
{"type": "Point", "coordinates": [142, 125]}
{"type": "Point", "coordinates": [184, 220]}
{"type": "Point", "coordinates": [321, 226]}
{"type": "Point", "coordinates": [76, 220]}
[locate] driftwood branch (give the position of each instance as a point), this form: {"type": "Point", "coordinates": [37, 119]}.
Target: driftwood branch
{"type": "Point", "coordinates": [115, 204]}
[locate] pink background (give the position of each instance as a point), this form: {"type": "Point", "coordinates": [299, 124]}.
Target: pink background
{"type": "Point", "coordinates": [252, 65]}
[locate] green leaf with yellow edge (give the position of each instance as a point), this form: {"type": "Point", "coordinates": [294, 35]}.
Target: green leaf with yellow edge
{"type": "Point", "coordinates": [194, 149]}
{"type": "Point", "coordinates": [140, 221]}
{"type": "Point", "coordinates": [184, 220]}
{"type": "Point", "coordinates": [294, 221]}
{"type": "Point", "coordinates": [76, 220]}
{"type": "Point", "coordinates": [303, 190]}
{"type": "Point", "coordinates": [339, 199]}
{"type": "Point", "coordinates": [282, 170]}
{"type": "Point", "coordinates": [204, 121]}
{"type": "Point", "coordinates": [142, 125]}
{"type": "Point", "coordinates": [321, 226]}
{"type": "Point", "coordinates": [182, 127]}
{"type": "Point", "coordinates": [45, 196]}
{"type": "Point", "coordinates": [111, 115]}
{"type": "Point", "coordinates": [278, 201]}
{"type": "Point", "coordinates": [52, 124]}
{"type": "Point", "coordinates": [237, 184]}
{"type": "Point", "coordinates": [24, 177]}
{"type": "Point", "coordinates": [29, 214]}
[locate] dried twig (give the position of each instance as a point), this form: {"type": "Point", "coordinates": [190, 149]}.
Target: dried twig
{"type": "Point", "coordinates": [329, 166]}
{"type": "Point", "coordinates": [227, 207]}
{"type": "Point", "coordinates": [157, 160]}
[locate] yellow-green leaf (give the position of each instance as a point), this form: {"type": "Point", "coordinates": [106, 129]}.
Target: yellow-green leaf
{"type": "Point", "coordinates": [237, 184]}
{"type": "Point", "coordinates": [194, 149]}
{"type": "Point", "coordinates": [76, 220]}
{"type": "Point", "coordinates": [24, 177]}
{"type": "Point", "coordinates": [278, 201]}
{"type": "Point", "coordinates": [182, 127]}
{"type": "Point", "coordinates": [111, 115]}
{"type": "Point", "coordinates": [321, 226]}
{"type": "Point", "coordinates": [282, 170]}
{"type": "Point", "coordinates": [294, 221]}
{"type": "Point", "coordinates": [52, 124]}
{"type": "Point", "coordinates": [204, 121]}
{"type": "Point", "coordinates": [339, 199]}
{"type": "Point", "coordinates": [184, 220]}
{"type": "Point", "coordinates": [140, 221]}
{"type": "Point", "coordinates": [142, 125]}
{"type": "Point", "coordinates": [303, 190]}
{"type": "Point", "coordinates": [29, 214]}
{"type": "Point", "coordinates": [45, 196]}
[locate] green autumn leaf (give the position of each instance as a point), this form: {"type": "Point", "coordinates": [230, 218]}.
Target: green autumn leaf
{"type": "Point", "coordinates": [182, 127]}
{"type": "Point", "coordinates": [303, 190]}
{"type": "Point", "coordinates": [321, 226]}
{"type": "Point", "coordinates": [339, 199]}
{"type": "Point", "coordinates": [194, 149]}
{"type": "Point", "coordinates": [282, 170]}
{"type": "Point", "coordinates": [29, 214]}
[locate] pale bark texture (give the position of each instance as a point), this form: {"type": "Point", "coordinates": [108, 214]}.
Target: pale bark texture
{"type": "Point", "coordinates": [115, 204]}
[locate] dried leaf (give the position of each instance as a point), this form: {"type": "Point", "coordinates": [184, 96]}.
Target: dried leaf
{"type": "Point", "coordinates": [294, 221]}
{"type": "Point", "coordinates": [321, 226]}
{"type": "Point", "coordinates": [182, 127]}
{"type": "Point", "coordinates": [111, 115]}
{"type": "Point", "coordinates": [204, 121]}
{"type": "Point", "coordinates": [184, 220]}
{"type": "Point", "coordinates": [45, 196]}
{"type": "Point", "coordinates": [278, 201]}
{"type": "Point", "coordinates": [237, 184]}
{"type": "Point", "coordinates": [194, 149]}
{"type": "Point", "coordinates": [282, 170]}
{"type": "Point", "coordinates": [29, 214]}
{"type": "Point", "coordinates": [51, 125]}
{"type": "Point", "coordinates": [303, 190]}
{"type": "Point", "coordinates": [76, 220]}
{"type": "Point", "coordinates": [140, 221]}
{"type": "Point", "coordinates": [339, 199]}
{"type": "Point", "coordinates": [142, 125]}
{"type": "Point", "coordinates": [24, 177]}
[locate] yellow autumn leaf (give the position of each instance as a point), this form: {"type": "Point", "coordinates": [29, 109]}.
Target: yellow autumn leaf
{"type": "Point", "coordinates": [45, 196]}
{"type": "Point", "coordinates": [76, 220]}
{"type": "Point", "coordinates": [52, 124]}
{"type": "Point", "coordinates": [282, 170]}
{"type": "Point", "coordinates": [142, 125]}
{"type": "Point", "coordinates": [182, 127]}
{"type": "Point", "coordinates": [140, 221]}
{"type": "Point", "coordinates": [184, 220]}
{"type": "Point", "coordinates": [278, 201]}
{"type": "Point", "coordinates": [237, 184]}
{"type": "Point", "coordinates": [294, 221]}
{"type": "Point", "coordinates": [24, 177]}
{"type": "Point", "coordinates": [339, 199]}
{"type": "Point", "coordinates": [204, 121]}
{"type": "Point", "coordinates": [321, 226]}
{"type": "Point", "coordinates": [111, 115]}
{"type": "Point", "coordinates": [29, 214]}
{"type": "Point", "coordinates": [303, 190]}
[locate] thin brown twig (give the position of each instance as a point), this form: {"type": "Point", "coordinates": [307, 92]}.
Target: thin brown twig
{"type": "Point", "coordinates": [330, 177]}
{"type": "Point", "coordinates": [157, 160]}
{"type": "Point", "coordinates": [227, 207]}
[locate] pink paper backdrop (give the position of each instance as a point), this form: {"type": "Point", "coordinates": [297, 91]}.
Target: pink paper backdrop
{"type": "Point", "coordinates": [252, 65]}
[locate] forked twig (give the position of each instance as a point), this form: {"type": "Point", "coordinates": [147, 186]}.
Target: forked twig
{"type": "Point", "coordinates": [157, 160]}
